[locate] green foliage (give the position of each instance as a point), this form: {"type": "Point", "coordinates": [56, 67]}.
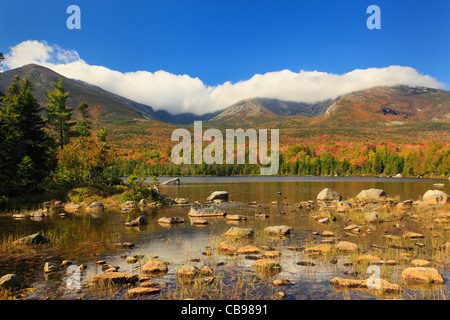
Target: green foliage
{"type": "Point", "coordinates": [24, 176]}
{"type": "Point", "coordinates": [25, 147]}
{"type": "Point", "coordinates": [90, 194]}
{"type": "Point", "coordinates": [83, 126]}
{"type": "Point", "coordinates": [138, 190]}
{"type": "Point", "coordinates": [59, 116]}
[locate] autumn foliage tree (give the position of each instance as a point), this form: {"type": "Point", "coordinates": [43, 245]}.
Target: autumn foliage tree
{"type": "Point", "coordinates": [87, 161]}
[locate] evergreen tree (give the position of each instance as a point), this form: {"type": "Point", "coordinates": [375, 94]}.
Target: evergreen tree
{"type": "Point", "coordinates": [59, 116]}
{"type": "Point", "coordinates": [84, 125]}
{"type": "Point", "coordinates": [2, 57]}
{"type": "Point", "coordinates": [25, 147]}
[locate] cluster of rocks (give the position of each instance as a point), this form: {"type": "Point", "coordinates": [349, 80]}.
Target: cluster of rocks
{"type": "Point", "coordinates": [371, 202]}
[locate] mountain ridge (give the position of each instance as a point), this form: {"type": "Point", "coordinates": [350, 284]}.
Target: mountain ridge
{"type": "Point", "coordinates": [393, 105]}
{"type": "Point", "coordinates": [114, 106]}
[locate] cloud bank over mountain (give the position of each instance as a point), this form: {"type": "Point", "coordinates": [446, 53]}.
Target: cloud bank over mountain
{"type": "Point", "coordinates": [182, 93]}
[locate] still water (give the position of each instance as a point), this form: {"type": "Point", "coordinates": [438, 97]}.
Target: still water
{"type": "Point", "coordinates": [86, 239]}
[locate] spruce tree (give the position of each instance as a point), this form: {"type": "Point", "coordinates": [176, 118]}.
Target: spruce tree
{"type": "Point", "coordinates": [58, 114]}
{"type": "Point", "coordinates": [84, 125]}
{"type": "Point", "coordinates": [25, 147]}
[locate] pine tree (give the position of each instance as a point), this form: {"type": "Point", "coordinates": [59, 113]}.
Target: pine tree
{"type": "Point", "coordinates": [59, 116]}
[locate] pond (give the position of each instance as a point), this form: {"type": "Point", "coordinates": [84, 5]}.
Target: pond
{"type": "Point", "coordinates": [86, 239]}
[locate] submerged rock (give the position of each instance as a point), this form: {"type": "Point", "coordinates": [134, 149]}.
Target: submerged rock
{"type": "Point", "coordinates": [236, 232]}
{"type": "Point", "coordinates": [171, 220]}
{"type": "Point", "coordinates": [50, 267]}
{"type": "Point", "coordinates": [114, 278]}
{"type": "Point", "coordinates": [142, 291]}
{"type": "Point", "coordinates": [320, 249]}
{"type": "Point", "coordinates": [413, 235]}
{"type": "Point", "coordinates": [127, 245]}
{"type": "Point", "coordinates": [218, 195]}
{"type": "Point", "coordinates": [248, 250]}
{"type": "Point", "coordinates": [327, 233]}
{"type": "Point", "coordinates": [53, 203]}
{"type": "Point", "coordinates": [9, 281]}
{"type": "Point", "coordinates": [367, 259]}
{"type": "Point", "coordinates": [422, 275]}
{"type": "Point", "coordinates": [155, 267]}
{"type": "Point", "coordinates": [278, 230]}
{"type": "Point", "coordinates": [267, 266]}
{"type": "Point", "coordinates": [96, 207]}
{"type": "Point", "coordinates": [199, 222]}
{"type": "Point", "coordinates": [131, 260]}
{"type": "Point", "coordinates": [206, 271]}
{"type": "Point", "coordinates": [236, 217]}
{"type": "Point", "coordinates": [181, 201]}
{"type": "Point", "coordinates": [142, 220]}
{"type": "Point", "coordinates": [146, 283]}
{"type": "Point", "coordinates": [37, 214]}
{"type": "Point", "coordinates": [382, 285]}
{"type": "Point", "coordinates": [174, 181]}
{"type": "Point", "coordinates": [227, 248]}
{"type": "Point", "coordinates": [352, 228]}
{"type": "Point", "coordinates": [206, 210]}
{"type": "Point", "coordinates": [188, 271]}
{"type": "Point", "coordinates": [35, 238]}
{"type": "Point", "coordinates": [281, 282]}
{"type": "Point", "coordinates": [72, 208]}
{"type": "Point", "coordinates": [65, 263]}
{"type": "Point", "coordinates": [272, 254]}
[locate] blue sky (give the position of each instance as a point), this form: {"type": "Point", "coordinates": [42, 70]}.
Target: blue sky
{"type": "Point", "coordinates": [219, 41]}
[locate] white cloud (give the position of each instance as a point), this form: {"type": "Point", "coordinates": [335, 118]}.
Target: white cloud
{"type": "Point", "coordinates": [182, 93]}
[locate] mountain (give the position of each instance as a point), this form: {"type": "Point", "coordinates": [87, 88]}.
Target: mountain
{"type": "Point", "coordinates": [42, 78]}
{"type": "Point", "coordinates": [394, 107]}
{"type": "Point", "coordinates": [248, 109]}
{"type": "Point", "coordinates": [114, 107]}
{"type": "Point", "coordinates": [391, 105]}
{"type": "Point", "coordinates": [149, 113]}
{"type": "Point", "coordinates": [387, 105]}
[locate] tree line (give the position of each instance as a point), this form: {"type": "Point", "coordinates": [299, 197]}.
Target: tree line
{"type": "Point", "coordinates": [364, 159]}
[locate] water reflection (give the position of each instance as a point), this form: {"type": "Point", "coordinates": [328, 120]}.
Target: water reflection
{"type": "Point", "coordinates": [85, 238]}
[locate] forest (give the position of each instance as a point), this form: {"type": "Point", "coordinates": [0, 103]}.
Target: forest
{"type": "Point", "coordinates": [54, 147]}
